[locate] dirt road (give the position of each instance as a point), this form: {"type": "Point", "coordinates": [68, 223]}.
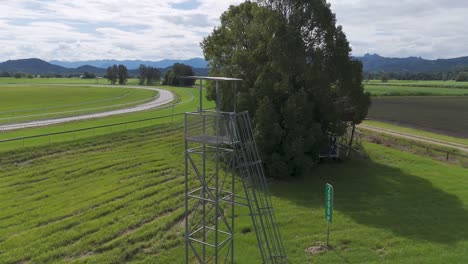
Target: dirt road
{"type": "Point", "coordinates": [433, 141]}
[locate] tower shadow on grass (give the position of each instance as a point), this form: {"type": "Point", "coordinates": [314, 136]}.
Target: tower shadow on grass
{"type": "Point", "coordinates": [384, 197]}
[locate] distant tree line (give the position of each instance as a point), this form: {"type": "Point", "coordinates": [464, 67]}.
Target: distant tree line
{"type": "Point", "coordinates": [462, 77]}
{"type": "Point", "coordinates": [148, 75]}
{"type": "Point", "coordinates": [116, 73]}
{"type": "Point", "coordinates": [88, 75]}
{"type": "Point", "coordinates": [16, 75]}
{"type": "Point", "coordinates": [171, 77]}
{"type": "Point", "coordinates": [5, 74]}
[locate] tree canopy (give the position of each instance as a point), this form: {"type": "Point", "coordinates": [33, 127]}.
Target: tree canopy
{"type": "Point", "coordinates": [462, 77]}
{"type": "Point", "coordinates": [116, 73]}
{"type": "Point", "coordinates": [148, 75]}
{"type": "Point", "coordinates": [300, 82]}
{"type": "Point", "coordinates": [179, 69]}
{"type": "Point", "coordinates": [123, 74]}
{"type": "Point", "coordinates": [88, 75]}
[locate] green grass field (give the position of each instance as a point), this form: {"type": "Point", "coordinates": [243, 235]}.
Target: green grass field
{"type": "Point", "coordinates": [119, 199]}
{"type": "Point", "coordinates": [115, 195]}
{"type": "Point", "coordinates": [188, 100]}
{"type": "Point", "coordinates": [4, 80]}
{"type": "Point", "coordinates": [403, 90]}
{"type": "Point", "coordinates": [20, 103]}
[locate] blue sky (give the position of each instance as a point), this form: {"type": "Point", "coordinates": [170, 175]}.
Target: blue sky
{"type": "Point", "coordinates": [187, 5]}
{"type": "Point", "coordinates": [173, 29]}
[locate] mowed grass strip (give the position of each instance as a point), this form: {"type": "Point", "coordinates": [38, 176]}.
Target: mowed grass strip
{"type": "Point", "coordinates": [420, 83]}
{"type": "Point", "coordinates": [406, 90]}
{"type": "Point", "coordinates": [21, 103]}
{"type": "Point", "coordinates": [74, 80]}
{"type": "Point", "coordinates": [443, 115]}
{"type": "Point", "coordinates": [118, 198]}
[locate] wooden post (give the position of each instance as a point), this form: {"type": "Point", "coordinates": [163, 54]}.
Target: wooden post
{"type": "Point", "coordinates": [351, 140]}
{"type": "Point", "coordinates": [352, 135]}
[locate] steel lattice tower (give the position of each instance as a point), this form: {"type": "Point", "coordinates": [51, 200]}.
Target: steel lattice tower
{"type": "Point", "coordinates": [217, 146]}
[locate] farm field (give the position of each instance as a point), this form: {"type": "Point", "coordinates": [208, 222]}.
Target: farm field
{"type": "Point", "coordinates": [118, 198]}
{"type": "Point", "coordinates": [21, 103]}
{"type": "Point", "coordinates": [420, 83]}
{"type": "Point", "coordinates": [443, 115]}
{"type": "Point", "coordinates": [416, 88]}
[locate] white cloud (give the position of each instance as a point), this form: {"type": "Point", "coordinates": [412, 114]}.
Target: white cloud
{"type": "Point", "coordinates": [155, 29]}
{"type": "Point", "coordinates": [426, 28]}
{"type": "Point", "coordinates": [106, 29]}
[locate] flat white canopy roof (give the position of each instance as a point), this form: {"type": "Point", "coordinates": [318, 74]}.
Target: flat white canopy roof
{"type": "Point", "coordinates": [210, 78]}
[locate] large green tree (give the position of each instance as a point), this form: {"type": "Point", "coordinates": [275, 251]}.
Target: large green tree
{"type": "Point", "coordinates": [116, 73]}
{"type": "Point", "coordinates": [181, 69]}
{"type": "Point", "coordinates": [148, 74]}
{"type": "Point", "coordinates": [153, 75]}
{"type": "Point", "coordinates": [142, 74]}
{"type": "Point", "coordinates": [300, 82]}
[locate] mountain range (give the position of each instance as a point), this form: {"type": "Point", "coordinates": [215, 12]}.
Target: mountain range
{"type": "Point", "coordinates": [37, 66]}
{"type": "Point", "coordinates": [371, 64]}
{"type": "Point", "coordinates": [40, 67]}
{"type": "Point", "coordinates": [377, 64]}
{"type": "Point", "coordinates": [132, 64]}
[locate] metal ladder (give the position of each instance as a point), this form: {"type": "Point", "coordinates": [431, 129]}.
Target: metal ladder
{"type": "Point", "coordinates": [257, 193]}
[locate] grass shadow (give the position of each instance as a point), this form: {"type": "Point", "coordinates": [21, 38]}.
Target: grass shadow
{"type": "Point", "coordinates": [384, 197]}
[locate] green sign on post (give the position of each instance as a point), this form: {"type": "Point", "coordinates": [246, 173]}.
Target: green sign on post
{"type": "Point", "coordinates": [329, 202]}
{"type": "Point", "coordinates": [328, 207]}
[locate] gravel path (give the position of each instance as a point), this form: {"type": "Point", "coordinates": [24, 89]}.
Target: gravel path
{"type": "Point", "coordinates": [164, 98]}
{"type": "Point", "coordinates": [433, 141]}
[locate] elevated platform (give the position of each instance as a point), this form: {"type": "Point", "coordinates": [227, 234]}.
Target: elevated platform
{"type": "Point", "coordinates": [228, 138]}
